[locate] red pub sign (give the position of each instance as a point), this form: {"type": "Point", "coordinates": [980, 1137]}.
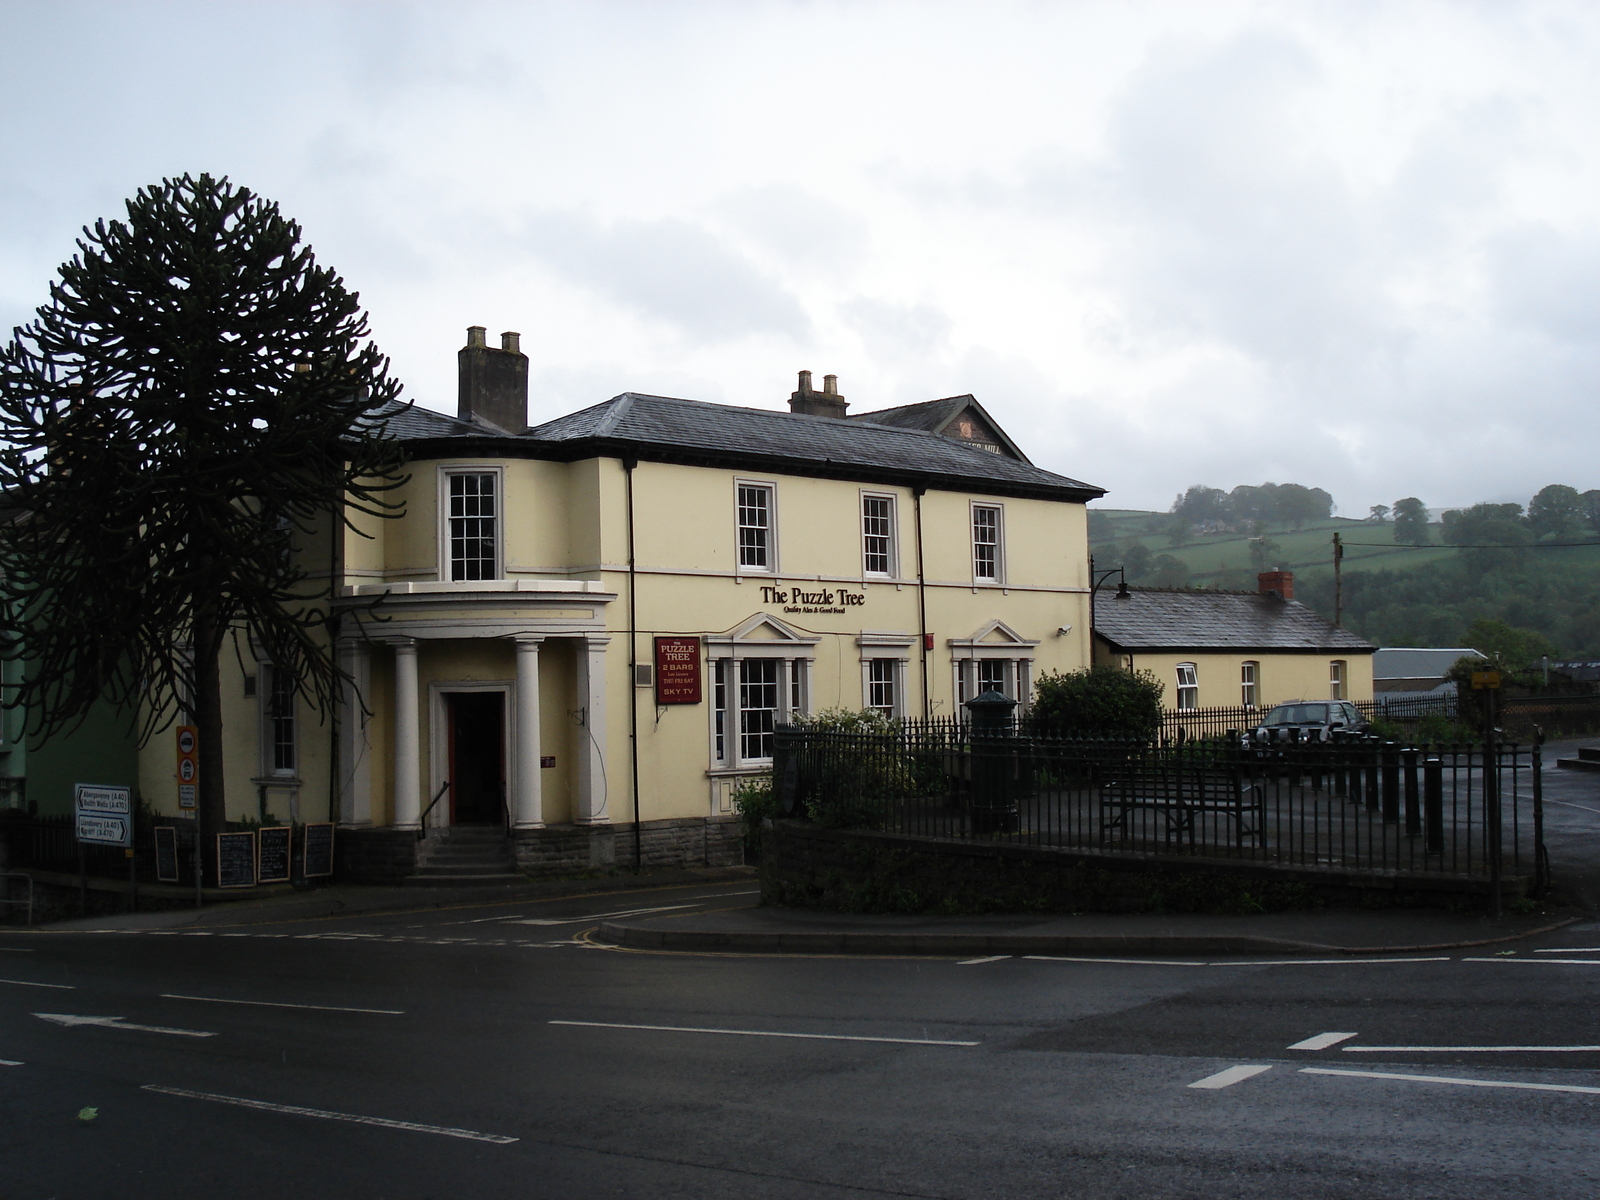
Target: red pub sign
{"type": "Point", "coordinates": [677, 670]}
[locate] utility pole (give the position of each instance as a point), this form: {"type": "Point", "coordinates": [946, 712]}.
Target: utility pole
{"type": "Point", "coordinates": [1338, 581]}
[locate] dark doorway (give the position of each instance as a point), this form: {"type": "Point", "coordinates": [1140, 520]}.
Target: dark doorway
{"type": "Point", "coordinates": [477, 757]}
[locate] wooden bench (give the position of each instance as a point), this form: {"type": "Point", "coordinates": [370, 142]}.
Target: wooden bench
{"type": "Point", "coordinates": [1181, 794]}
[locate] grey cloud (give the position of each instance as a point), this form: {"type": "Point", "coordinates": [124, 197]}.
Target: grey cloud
{"type": "Point", "coordinates": [1549, 281]}
{"type": "Point", "coordinates": [669, 270]}
{"type": "Point", "coordinates": [898, 329]}
{"type": "Point", "coordinates": [1238, 230]}
{"type": "Point", "coordinates": [804, 228]}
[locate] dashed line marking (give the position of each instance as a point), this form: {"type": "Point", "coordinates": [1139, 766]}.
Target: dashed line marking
{"type": "Point", "coordinates": [1451, 1079]}
{"type": "Point", "coordinates": [1229, 1077]}
{"type": "Point", "coordinates": [324, 1114]}
{"type": "Point", "coordinates": [821, 1037]}
{"type": "Point", "coordinates": [1323, 1040]}
{"type": "Point", "coordinates": [1571, 962]}
{"type": "Point", "coordinates": [1571, 950]}
{"type": "Point", "coordinates": [972, 962]}
{"type": "Point", "coordinates": [396, 1012]}
{"type": "Point", "coordinates": [62, 987]}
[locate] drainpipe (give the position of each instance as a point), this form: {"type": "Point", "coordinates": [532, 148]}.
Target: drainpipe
{"type": "Point", "coordinates": [922, 606]}
{"type": "Point", "coordinates": [628, 464]}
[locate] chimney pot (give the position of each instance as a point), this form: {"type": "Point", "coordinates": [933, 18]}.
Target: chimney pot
{"type": "Point", "coordinates": [493, 384]}
{"type": "Point", "coordinates": [1280, 583]}
{"type": "Point", "coordinates": [826, 403]}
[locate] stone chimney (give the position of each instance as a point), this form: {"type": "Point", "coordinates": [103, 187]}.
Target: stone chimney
{"type": "Point", "coordinates": [493, 383]}
{"type": "Point", "coordinates": [826, 403]}
{"type": "Point", "coordinates": [1276, 583]}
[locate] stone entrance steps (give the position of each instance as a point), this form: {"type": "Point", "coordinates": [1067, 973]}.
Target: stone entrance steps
{"type": "Point", "coordinates": [464, 856]}
{"type": "Point", "coordinates": [1588, 760]}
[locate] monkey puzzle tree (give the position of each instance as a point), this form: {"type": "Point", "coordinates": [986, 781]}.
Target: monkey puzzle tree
{"type": "Point", "coordinates": [194, 400]}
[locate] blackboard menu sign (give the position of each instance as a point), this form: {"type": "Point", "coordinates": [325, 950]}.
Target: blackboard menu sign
{"type": "Point", "coordinates": [166, 854]}
{"type": "Point", "coordinates": [273, 847]}
{"type": "Point", "coordinates": [316, 845]}
{"type": "Point", "coordinates": [236, 860]}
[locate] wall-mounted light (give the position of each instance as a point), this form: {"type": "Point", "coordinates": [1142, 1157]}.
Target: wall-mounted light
{"type": "Point", "coordinates": [1064, 630]}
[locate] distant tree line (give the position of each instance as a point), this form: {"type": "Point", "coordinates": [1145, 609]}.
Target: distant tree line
{"type": "Point", "coordinates": [1247, 507]}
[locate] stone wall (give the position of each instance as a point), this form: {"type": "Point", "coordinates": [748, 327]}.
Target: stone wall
{"type": "Point", "coordinates": [575, 849]}
{"type": "Point", "coordinates": [854, 871]}
{"type": "Point", "coordinates": [374, 855]}
{"type": "Point", "coordinates": [389, 855]}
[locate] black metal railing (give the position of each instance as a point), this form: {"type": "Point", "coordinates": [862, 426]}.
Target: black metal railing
{"type": "Point", "coordinates": [1215, 722]}
{"type": "Point", "coordinates": [1363, 806]}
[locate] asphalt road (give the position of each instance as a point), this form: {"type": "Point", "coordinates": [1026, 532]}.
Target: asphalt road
{"type": "Point", "coordinates": [489, 1052]}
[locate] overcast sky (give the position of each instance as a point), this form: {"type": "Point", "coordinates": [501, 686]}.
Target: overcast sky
{"type": "Point", "coordinates": [1352, 245]}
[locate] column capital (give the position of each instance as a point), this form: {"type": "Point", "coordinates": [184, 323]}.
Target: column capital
{"type": "Point", "coordinates": [403, 645]}
{"type": "Point", "coordinates": [529, 640]}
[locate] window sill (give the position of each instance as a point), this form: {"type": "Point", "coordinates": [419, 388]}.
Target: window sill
{"type": "Point", "coordinates": [749, 768]}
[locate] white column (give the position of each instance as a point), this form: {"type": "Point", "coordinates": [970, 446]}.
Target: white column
{"type": "Point", "coordinates": [407, 738]}
{"type": "Point", "coordinates": [591, 754]}
{"type": "Point", "coordinates": [355, 746]}
{"type": "Point", "coordinates": [527, 800]}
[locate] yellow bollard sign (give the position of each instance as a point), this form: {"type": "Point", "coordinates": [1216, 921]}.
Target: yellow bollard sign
{"type": "Point", "coordinates": [188, 765]}
{"type": "Point", "coordinates": [1485, 679]}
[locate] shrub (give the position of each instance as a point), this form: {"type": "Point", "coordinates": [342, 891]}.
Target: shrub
{"type": "Point", "coordinates": [1099, 702]}
{"type": "Point", "coordinates": [754, 799]}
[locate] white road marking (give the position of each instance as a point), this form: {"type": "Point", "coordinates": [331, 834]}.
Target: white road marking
{"type": "Point", "coordinates": [1571, 962]}
{"type": "Point", "coordinates": [1472, 1049]}
{"type": "Point", "coordinates": [65, 987]}
{"type": "Point", "coordinates": [1484, 1083]}
{"type": "Point", "coordinates": [70, 1019]}
{"type": "Point", "coordinates": [821, 1037]}
{"type": "Point", "coordinates": [1143, 962]}
{"type": "Point", "coordinates": [14, 950]}
{"type": "Point", "coordinates": [1570, 804]}
{"type": "Point", "coordinates": [398, 1012]}
{"type": "Point", "coordinates": [632, 912]}
{"type": "Point", "coordinates": [294, 1110]}
{"type": "Point", "coordinates": [10, 1062]}
{"type": "Point", "coordinates": [972, 962]}
{"type": "Point", "coordinates": [1571, 950]}
{"type": "Point", "coordinates": [1323, 1040]}
{"type": "Point", "coordinates": [1229, 1077]}
{"type": "Point", "coordinates": [1254, 962]}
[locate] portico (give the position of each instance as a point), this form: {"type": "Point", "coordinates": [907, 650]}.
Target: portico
{"type": "Point", "coordinates": [537, 645]}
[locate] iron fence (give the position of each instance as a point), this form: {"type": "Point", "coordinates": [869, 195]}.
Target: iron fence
{"type": "Point", "coordinates": [1215, 722]}
{"type": "Point", "coordinates": [1361, 806]}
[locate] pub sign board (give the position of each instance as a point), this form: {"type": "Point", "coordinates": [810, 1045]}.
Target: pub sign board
{"type": "Point", "coordinates": [166, 854]}
{"type": "Point", "coordinates": [103, 815]}
{"type": "Point", "coordinates": [677, 670]}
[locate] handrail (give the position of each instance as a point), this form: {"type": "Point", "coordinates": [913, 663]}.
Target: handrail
{"type": "Point", "coordinates": [422, 821]}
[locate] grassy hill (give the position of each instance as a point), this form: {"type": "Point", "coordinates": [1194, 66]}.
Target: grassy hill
{"type": "Point", "coordinates": [1393, 595]}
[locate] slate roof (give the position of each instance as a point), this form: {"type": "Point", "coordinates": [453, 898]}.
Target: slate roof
{"type": "Point", "coordinates": [666, 429]}
{"type": "Point", "coordinates": [1180, 619]}
{"type": "Point", "coordinates": [934, 415]}
{"type": "Point", "coordinates": [1411, 662]}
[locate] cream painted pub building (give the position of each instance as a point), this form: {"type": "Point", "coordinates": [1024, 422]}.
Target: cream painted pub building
{"type": "Point", "coordinates": [589, 629]}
